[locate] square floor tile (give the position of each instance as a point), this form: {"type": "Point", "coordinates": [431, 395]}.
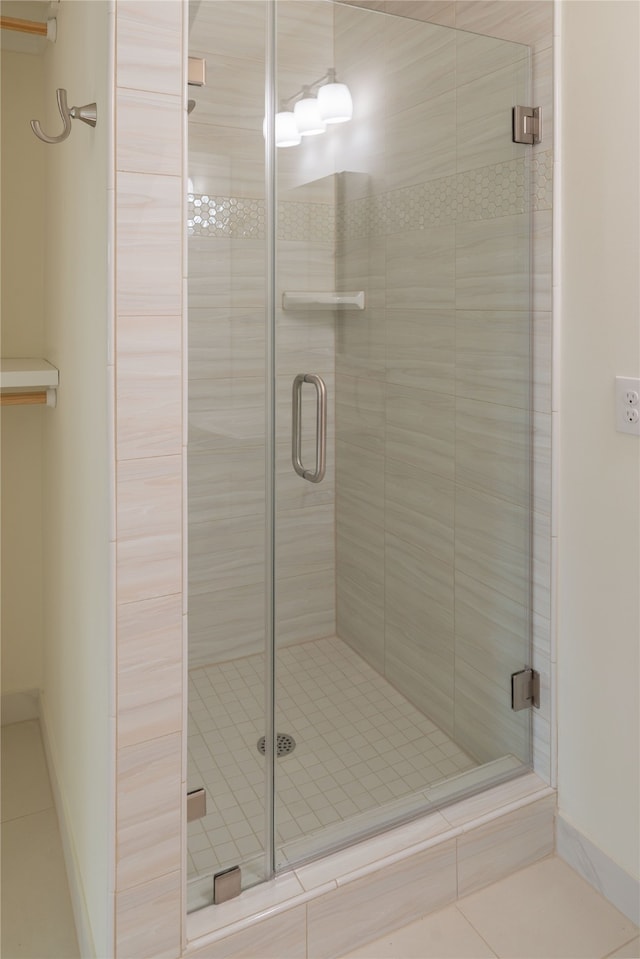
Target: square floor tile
{"type": "Point", "coordinates": [546, 910]}
{"type": "Point", "coordinates": [25, 780]}
{"type": "Point", "coordinates": [443, 935]}
{"type": "Point", "coordinates": [37, 920]}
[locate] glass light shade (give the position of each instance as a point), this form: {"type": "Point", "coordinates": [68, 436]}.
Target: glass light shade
{"type": "Point", "coordinates": [287, 133]}
{"type": "Point", "coordinates": [335, 103]}
{"type": "Point", "coordinates": [308, 119]}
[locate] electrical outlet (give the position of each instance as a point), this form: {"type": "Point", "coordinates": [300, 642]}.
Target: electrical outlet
{"type": "Point", "coordinates": [628, 405]}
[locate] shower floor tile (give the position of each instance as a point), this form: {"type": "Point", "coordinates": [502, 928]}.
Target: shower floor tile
{"type": "Point", "coordinates": [359, 745]}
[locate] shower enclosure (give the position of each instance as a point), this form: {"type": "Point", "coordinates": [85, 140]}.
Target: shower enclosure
{"type": "Point", "coordinates": [352, 636]}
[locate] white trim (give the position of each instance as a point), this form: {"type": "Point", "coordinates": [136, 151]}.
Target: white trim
{"type": "Point", "coordinates": [601, 872]}
{"type": "Point", "coordinates": [18, 707]}
{"type": "Point", "coordinates": [74, 877]}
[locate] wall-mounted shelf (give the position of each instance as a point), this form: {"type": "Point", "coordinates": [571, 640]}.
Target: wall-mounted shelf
{"type": "Point", "coordinates": [323, 301]}
{"type": "Point", "coordinates": [28, 381]}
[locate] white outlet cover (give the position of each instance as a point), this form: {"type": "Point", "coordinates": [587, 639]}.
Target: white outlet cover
{"type": "Point", "coordinates": [628, 404]}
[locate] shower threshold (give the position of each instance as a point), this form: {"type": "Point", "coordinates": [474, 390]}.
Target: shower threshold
{"type": "Point", "coordinates": [365, 757]}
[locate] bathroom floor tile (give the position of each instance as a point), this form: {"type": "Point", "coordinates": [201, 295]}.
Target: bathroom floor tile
{"type": "Point", "coordinates": [37, 919]}
{"type": "Point", "coordinates": [548, 911]}
{"type": "Point", "coordinates": [25, 781]}
{"type": "Point", "coordinates": [359, 745]}
{"type": "Point", "coordinates": [629, 951]}
{"type": "Point", "coordinates": [443, 935]}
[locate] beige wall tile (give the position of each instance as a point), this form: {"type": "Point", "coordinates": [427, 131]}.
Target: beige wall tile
{"type": "Point", "coordinates": [148, 54]}
{"type": "Point", "coordinates": [420, 429]}
{"type": "Point", "coordinates": [148, 810]}
{"type": "Point", "coordinates": [226, 552]}
{"type": "Point", "coordinates": [149, 677]}
{"type": "Point", "coordinates": [492, 264]}
{"type": "Point", "coordinates": [149, 918]}
{"type": "Point", "coordinates": [478, 56]}
{"type": "Point", "coordinates": [148, 244]}
{"type": "Point", "coordinates": [492, 357]}
{"type": "Point", "coordinates": [419, 509]}
{"type": "Point", "coordinates": [148, 129]}
{"type": "Point", "coordinates": [238, 614]}
{"type": "Point", "coordinates": [435, 11]}
{"type": "Point", "coordinates": [421, 141]}
{"type": "Point", "coordinates": [524, 21]}
{"type": "Point", "coordinates": [541, 264]}
{"type": "Point", "coordinates": [484, 117]}
{"type": "Point", "coordinates": [367, 908]}
{"type": "Point", "coordinates": [421, 348]}
{"type": "Point", "coordinates": [360, 410]}
{"type": "Point", "coordinates": [490, 852]}
{"type": "Point", "coordinates": [492, 450]}
{"type": "Point", "coordinates": [492, 543]}
{"type": "Point", "coordinates": [306, 606]}
{"type": "Point", "coordinates": [149, 566]}
{"type": "Point", "coordinates": [280, 937]}
{"type": "Point", "coordinates": [420, 62]}
{"type": "Point", "coordinates": [360, 618]}
{"type": "Point", "coordinates": [485, 724]}
{"type": "Point", "coordinates": [148, 386]}
{"type": "Point", "coordinates": [149, 494]}
{"type": "Point", "coordinates": [420, 269]}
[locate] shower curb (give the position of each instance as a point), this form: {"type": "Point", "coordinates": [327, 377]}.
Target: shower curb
{"type": "Point", "coordinates": [436, 860]}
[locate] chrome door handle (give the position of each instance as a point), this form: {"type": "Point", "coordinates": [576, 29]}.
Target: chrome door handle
{"type": "Point", "coordinates": [321, 427]}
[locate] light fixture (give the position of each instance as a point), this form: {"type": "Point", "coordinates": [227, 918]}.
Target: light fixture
{"type": "Point", "coordinates": [286, 129]}
{"type": "Point", "coordinates": [311, 114]}
{"type": "Point", "coordinates": [334, 100]}
{"type": "Point", "coordinates": [287, 132]}
{"type": "Point", "coordinates": [307, 115]}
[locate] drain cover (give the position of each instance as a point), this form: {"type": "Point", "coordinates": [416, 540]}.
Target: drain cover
{"type": "Point", "coordinates": [285, 744]}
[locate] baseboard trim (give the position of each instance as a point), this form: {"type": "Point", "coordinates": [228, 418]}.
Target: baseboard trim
{"type": "Point", "coordinates": [601, 872]}
{"type": "Point", "coordinates": [74, 878]}
{"type": "Point", "coordinates": [18, 707]}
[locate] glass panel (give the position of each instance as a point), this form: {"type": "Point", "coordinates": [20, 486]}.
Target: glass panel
{"type": "Point", "coordinates": [402, 578]}
{"type": "Point", "coordinates": [226, 458]}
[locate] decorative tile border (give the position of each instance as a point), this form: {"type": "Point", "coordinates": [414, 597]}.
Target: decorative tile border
{"type": "Point", "coordinates": [243, 218]}
{"type": "Point", "coordinates": [485, 193]}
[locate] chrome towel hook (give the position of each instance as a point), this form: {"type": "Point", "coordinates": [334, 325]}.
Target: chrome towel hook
{"type": "Point", "coordinates": [88, 114]}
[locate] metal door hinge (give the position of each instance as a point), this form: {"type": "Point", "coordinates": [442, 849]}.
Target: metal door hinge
{"type": "Point", "coordinates": [227, 885]}
{"type": "Point", "coordinates": [527, 124]}
{"type": "Point", "coordinates": [196, 804]}
{"type": "Point", "coordinates": [197, 72]}
{"type": "Point", "coordinates": [525, 689]}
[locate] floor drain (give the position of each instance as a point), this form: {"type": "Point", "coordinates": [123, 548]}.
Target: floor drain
{"type": "Point", "coordinates": [285, 744]}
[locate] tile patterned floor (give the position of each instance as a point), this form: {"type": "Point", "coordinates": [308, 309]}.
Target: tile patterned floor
{"type": "Point", "coordinates": [37, 919]}
{"type": "Point", "coordinates": [562, 915]}
{"type": "Point", "coordinates": [360, 745]}
{"type": "Point", "coordinates": [546, 911]}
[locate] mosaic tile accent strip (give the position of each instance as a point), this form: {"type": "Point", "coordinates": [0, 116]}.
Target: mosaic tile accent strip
{"type": "Point", "coordinates": [360, 744]}
{"type": "Point", "coordinates": [542, 181]}
{"type": "Point", "coordinates": [481, 194]}
{"type": "Point", "coordinates": [243, 218]}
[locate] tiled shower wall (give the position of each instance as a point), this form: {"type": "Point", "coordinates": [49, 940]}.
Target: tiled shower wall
{"type": "Point", "coordinates": [227, 264]}
{"type": "Point", "coordinates": [432, 380]}
{"type": "Point", "coordinates": [150, 648]}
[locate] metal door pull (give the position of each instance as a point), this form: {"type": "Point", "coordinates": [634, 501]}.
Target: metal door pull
{"type": "Point", "coordinates": [321, 427]}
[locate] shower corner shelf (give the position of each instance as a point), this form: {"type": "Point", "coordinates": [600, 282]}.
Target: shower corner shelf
{"type": "Point", "coordinates": [28, 381]}
{"type": "Point", "coordinates": [323, 301]}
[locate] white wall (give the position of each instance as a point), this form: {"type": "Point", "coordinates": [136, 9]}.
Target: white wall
{"type": "Point", "coordinates": [599, 485]}
{"type": "Point", "coordinates": [22, 335]}
{"type": "Point", "coordinates": [77, 581]}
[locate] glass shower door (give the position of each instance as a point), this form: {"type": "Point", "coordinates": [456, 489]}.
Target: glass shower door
{"type": "Point", "coordinates": [402, 576]}
{"type": "Point", "coordinates": [366, 595]}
